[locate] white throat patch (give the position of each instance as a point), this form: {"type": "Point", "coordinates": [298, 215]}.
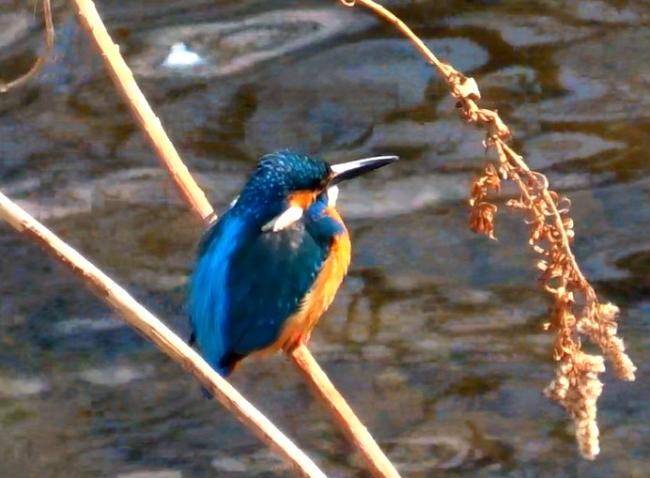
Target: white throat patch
{"type": "Point", "coordinates": [288, 217]}
{"type": "Point", "coordinates": [295, 213]}
{"type": "Point", "coordinates": [332, 195]}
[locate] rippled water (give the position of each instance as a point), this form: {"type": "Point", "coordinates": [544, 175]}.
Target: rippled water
{"type": "Point", "coordinates": [435, 338]}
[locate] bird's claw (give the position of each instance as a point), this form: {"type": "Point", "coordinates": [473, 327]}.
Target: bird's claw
{"type": "Point", "coordinates": [295, 342]}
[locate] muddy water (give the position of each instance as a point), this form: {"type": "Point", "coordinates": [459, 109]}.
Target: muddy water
{"type": "Point", "coordinates": [435, 337]}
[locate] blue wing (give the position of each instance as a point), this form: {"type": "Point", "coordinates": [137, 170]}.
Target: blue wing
{"type": "Point", "coordinates": [208, 303]}
{"type": "Point", "coordinates": [267, 281]}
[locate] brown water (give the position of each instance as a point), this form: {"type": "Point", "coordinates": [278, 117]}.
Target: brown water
{"type": "Point", "coordinates": [435, 338]}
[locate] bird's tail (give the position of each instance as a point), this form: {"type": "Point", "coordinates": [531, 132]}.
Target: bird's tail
{"type": "Point", "coordinates": [228, 363]}
{"type": "Point", "coordinates": [226, 366]}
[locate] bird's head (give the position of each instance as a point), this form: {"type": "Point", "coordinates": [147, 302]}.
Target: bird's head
{"type": "Point", "coordinates": [285, 184]}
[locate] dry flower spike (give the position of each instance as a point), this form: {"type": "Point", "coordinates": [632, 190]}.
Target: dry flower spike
{"type": "Point", "coordinates": [576, 385]}
{"type": "Point", "coordinates": [576, 310]}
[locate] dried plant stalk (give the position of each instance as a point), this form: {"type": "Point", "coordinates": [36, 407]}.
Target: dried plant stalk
{"type": "Point", "coordinates": [379, 465]}
{"type": "Point", "coordinates": [155, 330]}
{"type": "Point", "coordinates": [576, 310]}
{"type": "Point", "coordinates": [355, 431]}
{"type": "Point", "coordinates": [40, 61]}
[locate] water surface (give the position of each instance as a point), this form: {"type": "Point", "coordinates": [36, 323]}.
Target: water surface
{"type": "Point", "coordinates": [435, 338]}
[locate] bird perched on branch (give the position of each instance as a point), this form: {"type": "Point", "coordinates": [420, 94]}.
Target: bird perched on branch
{"type": "Point", "coordinates": [271, 265]}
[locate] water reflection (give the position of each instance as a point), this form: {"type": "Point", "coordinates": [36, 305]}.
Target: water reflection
{"type": "Point", "coordinates": [435, 337]}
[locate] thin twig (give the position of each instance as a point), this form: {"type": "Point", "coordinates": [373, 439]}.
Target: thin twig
{"type": "Point", "coordinates": [42, 59]}
{"type": "Point", "coordinates": [576, 309]}
{"type": "Point", "coordinates": [151, 327]}
{"type": "Point", "coordinates": [356, 432]}
{"type": "Point", "coordinates": [195, 197]}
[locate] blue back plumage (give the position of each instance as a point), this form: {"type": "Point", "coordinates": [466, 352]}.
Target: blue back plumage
{"type": "Point", "coordinates": [247, 282]}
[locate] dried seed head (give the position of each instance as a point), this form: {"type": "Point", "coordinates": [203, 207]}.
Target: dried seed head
{"type": "Point", "coordinates": [482, 218]}
{"type": "Point", "coordinates": [576, 385]}
{"type": "Point", "coordinates": [576, 310]}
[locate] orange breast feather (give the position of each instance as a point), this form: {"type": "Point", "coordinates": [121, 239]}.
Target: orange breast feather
{"type": "Point", "coordinates": [299, 326]}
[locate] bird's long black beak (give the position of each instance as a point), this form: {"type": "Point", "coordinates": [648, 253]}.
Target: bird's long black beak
{"type": "Point", "coordinates": [352, 169]}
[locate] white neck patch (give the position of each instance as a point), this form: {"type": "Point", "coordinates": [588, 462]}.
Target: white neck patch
{"type": "Point", "coordinates": [295, 213]}
{"type": "Point", "coordinates": [332, 195]}
{"type": "Point", "coordinates": [288, 217]}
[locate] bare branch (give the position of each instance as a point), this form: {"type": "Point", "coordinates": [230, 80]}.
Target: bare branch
{"type": "Point", "coordinates": [151, 327]}
{"type": "Point", "coordinates": [146, 118]}
{"type": "Point", "coordinates": [356, 432]}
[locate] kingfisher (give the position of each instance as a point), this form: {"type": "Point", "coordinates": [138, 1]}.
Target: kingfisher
{"type": "Point", "coordinates": [271, 265]}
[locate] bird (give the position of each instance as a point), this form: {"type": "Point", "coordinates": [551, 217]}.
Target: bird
{"type": "Point", "coordinates": [271, 265]}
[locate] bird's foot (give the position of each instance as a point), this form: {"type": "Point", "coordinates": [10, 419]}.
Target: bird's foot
{"type": "Point", "coordinates": [304, 340]}
{"type": "Point", "coordinates": [297, 341]}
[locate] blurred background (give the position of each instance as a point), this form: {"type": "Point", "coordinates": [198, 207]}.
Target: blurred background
{"type": "Point", "coordinates": [435, 337]}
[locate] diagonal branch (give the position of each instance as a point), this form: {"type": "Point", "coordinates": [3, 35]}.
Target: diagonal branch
{"type": "Point", "coordinates": [123, 79]}
{"type": "Point", "coordinates": [355, 431]}
{"type": "Point", "coordinates": [147, 119]}
{"type": "Point", "coordinates": [151, 327]}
